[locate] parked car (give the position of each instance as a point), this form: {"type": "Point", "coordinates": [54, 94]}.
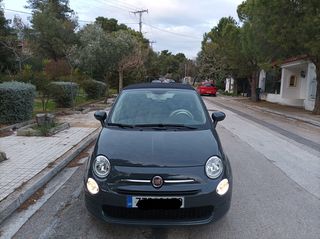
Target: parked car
{"type": "Point", "coordinates": [158, 160]}
{"type": "Point", "coordinates": [207, 88]}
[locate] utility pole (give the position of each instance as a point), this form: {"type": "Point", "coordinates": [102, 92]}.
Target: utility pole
{"type": "Point", "coordinates": [140, 12]}
{"type": "Point", "coordinates": [151, 43]}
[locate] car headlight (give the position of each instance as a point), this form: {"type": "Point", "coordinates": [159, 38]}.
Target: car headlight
{"type": "Point", "coordinates": [223, 187]}
{"type": "Point", "coordinates": [92, 186]}
{"type": "Point", "coordinates": [101, 166]}
{"type": "Point", "coordinates": [214, 167]}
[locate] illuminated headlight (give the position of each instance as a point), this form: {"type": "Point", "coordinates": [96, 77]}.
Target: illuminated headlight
{"type": "Point", "coordinates": [214, 167]}
{"type": "Point", "coordinates": [223, 187]}
{"type": "Point", "coordinates": [101, 166]}
{"type": "Point", "coordinates": [92, 186]}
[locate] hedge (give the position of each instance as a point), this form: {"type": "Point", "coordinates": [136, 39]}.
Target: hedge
{"type": "Point", "coordinates": [94, 89]}
{"type": "Point", "coordinates": [64, 93]}
{"type": "Point", "coordinates": [16, 102]}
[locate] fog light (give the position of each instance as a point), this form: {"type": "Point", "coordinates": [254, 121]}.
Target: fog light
{"type": "Point", "coordinates": [223, 187]}
{"type": "Point", "coordinates": [92, 186]}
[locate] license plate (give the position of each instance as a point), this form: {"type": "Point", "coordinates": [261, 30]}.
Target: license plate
{"type": "Point", "coordinates": [152, 202]}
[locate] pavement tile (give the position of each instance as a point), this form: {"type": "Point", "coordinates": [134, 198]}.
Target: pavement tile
{"type": "Point", "coordinates": [30, 155]}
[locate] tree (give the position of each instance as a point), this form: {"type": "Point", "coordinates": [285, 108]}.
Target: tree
{"type": "Point", "coordinates": [53, 28]}
{"type": "Point", "coordinates": [131, 53]}
{"type": "Point", "coordinates": [6, 56]}
{"type": "Point", "coordinates": [110, 25]}
{"type": "Point", "coordinates": [15, 42]}
{"type": "Point", "coordinates": [97, 52]}
{"type": "Point", "coordinates": [222, 54]}
{"type": "Point", "coordinates": [289, 28]}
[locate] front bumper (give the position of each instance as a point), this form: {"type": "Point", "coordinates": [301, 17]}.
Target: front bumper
{"type": "Point", "coordinates": [201, 208]}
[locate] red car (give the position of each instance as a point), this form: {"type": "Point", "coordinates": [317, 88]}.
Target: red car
{"type": "Point", "coordinates": [207, 88]}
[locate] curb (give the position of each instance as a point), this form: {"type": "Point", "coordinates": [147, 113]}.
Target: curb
{"type": "Point", "coordinates": [20, 195]}
{"type": "Point", "coordinates": [305, 120]}
{"type": "Point", "coordinates": [309, 121]}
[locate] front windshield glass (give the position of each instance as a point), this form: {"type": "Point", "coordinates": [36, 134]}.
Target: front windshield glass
{"type": "Point", "coordinates": [158, 106]}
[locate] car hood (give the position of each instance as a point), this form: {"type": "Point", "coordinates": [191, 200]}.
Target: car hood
{"type": "Point", "coordinates": [157, 148]}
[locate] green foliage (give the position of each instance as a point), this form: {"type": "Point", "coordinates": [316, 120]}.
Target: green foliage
{"type": "Point", "coordinates": [45, 128]}
{"type": "Point", "coordinates": [221, 53]}
{"type": "Point", "coordinates": [38, 106]}
{"type": "Point", "coordinates": [56, 69]}
{"type": "Point", "coordinates": [94, 89]}
{"type": "Point", "coordinates": [110, 25]}
{"type": "Point", "coordinates": [7, 58]}
{"type": "Point", "coordinates": [64, 93]}
{"type": "Point", "coordinates": [16, 102]}
{"type": "Point", "coordinates": [53, 28]}
{"type": "Point", "coordinates": [97, 52]}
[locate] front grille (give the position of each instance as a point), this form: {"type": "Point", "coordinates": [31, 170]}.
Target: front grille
{"type": "Point", "coordinates": [157, 193]}
{"type": "Point", "coordinates": [196, 213]}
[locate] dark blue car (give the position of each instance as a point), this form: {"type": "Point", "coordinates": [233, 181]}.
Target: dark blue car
{"type": "Point", "coordinates": [158, 160]}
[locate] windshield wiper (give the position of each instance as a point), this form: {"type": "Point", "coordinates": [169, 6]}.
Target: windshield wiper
{"type": "Point", "coordinates": [121, 125]}
{"type": "Point", "coordinates": [166, 126]}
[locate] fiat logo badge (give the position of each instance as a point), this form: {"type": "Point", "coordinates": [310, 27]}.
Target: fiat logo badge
{"type": "Point", "coordinates": [157, 181]}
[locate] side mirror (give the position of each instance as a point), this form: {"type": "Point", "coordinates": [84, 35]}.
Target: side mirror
{"type": "Point", "coordinates": [101, 116]}
{"type": "Point", "coordinates": [217, 116]}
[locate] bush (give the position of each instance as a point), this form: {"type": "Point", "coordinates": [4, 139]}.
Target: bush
{"type": "Point", "coordinates": [64, 93]}
{"type": "Point", "coordinates": [16, 102]}
{"type": "Point", "coordinates": [94, 89]}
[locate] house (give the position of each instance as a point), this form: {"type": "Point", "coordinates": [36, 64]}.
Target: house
{"type": "Point", "coordinates": [296, 87]}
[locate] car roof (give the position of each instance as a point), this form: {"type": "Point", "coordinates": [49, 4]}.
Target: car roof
{"type": "Point", "coordinates": [160, 85]}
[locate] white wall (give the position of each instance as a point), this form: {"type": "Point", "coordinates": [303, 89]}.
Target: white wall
{"type": "Point", "coordinates": [290, 92]}
{"type": "Point", "coordinates": [229, 85]}
{"type": "Point", "coordinates": [303, 94]}
{"type": "Point", "coordinates": [276, 98]}
{"type": "Point", "coordinates": [311, 87]}
{"type": "Point", "coordinates": [262, 80]}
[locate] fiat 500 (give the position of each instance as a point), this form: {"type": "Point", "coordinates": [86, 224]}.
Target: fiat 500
{"type": "Point", "coordinates": [158, 160]}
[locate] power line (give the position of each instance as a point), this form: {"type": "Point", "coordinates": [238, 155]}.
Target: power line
{"type": "Point", "coordinates": [174, 33]}
{"type": "Point", "coordinates": [79, 20]}
{"type": "Point", "coordinates": [124, 5]}
{"type": "Point", "coordinates": [110, 4]}
{"type": "Point", "coordinates": [10, 10]}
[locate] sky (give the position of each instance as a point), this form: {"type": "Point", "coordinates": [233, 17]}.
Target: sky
{"type": "Point", "coordinates": [174, 25]}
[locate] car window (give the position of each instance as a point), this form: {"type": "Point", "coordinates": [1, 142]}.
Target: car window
{"type": "Point", "coordinates": [158, 106]}
{"type": "Point", "coordinates": [208, 85]}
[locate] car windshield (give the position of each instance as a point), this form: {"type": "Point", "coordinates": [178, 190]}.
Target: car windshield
{"type": "Point", "coordinates": [158, 107]}
{"type": "Point", "coordinates": [208, 85]}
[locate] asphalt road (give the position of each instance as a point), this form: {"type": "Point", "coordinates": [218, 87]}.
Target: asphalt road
{"type": "Point", "coordinates": [269, 200]}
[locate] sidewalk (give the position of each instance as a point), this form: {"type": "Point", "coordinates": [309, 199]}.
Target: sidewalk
{"type": "Point", "coordinates": [32, 157]}
{"type": "Point", "coordinates": [286, 111]}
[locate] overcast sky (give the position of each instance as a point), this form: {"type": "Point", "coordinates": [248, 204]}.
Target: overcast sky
{"type": "Point", "coordinates": [176, 25]}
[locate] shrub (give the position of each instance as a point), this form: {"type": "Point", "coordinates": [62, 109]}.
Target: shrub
{"type": "Point", "coordinates": [16, 101]}
{"type": "Point", "coordinates": [94, 89]}
{"type": "Point", "coordinates": [56, 69]}
{"type": "Point", "coordinates": [64, 93]}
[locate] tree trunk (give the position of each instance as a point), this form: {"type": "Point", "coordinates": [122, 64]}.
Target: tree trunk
{"type": "Point", "coordinates": [253, 84]}
{"type": "Point", "coordinates": [316, 109]}
{"type": "Point", "coordinates": [120, 80]}
{"type": "Point", "coordinates": [107, 90]}
{"type": "Point", "coordinates": [235, 87]}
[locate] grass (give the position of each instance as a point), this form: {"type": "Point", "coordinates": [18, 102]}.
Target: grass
{"type": "Point", "coordinates": [113, 92]}
{"type": "Point", "coordinates": [37, 107]}
{"type": "Point", "coordinates": [81, 99]}
{"type": "Point", "coordinates": [45, 129]}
